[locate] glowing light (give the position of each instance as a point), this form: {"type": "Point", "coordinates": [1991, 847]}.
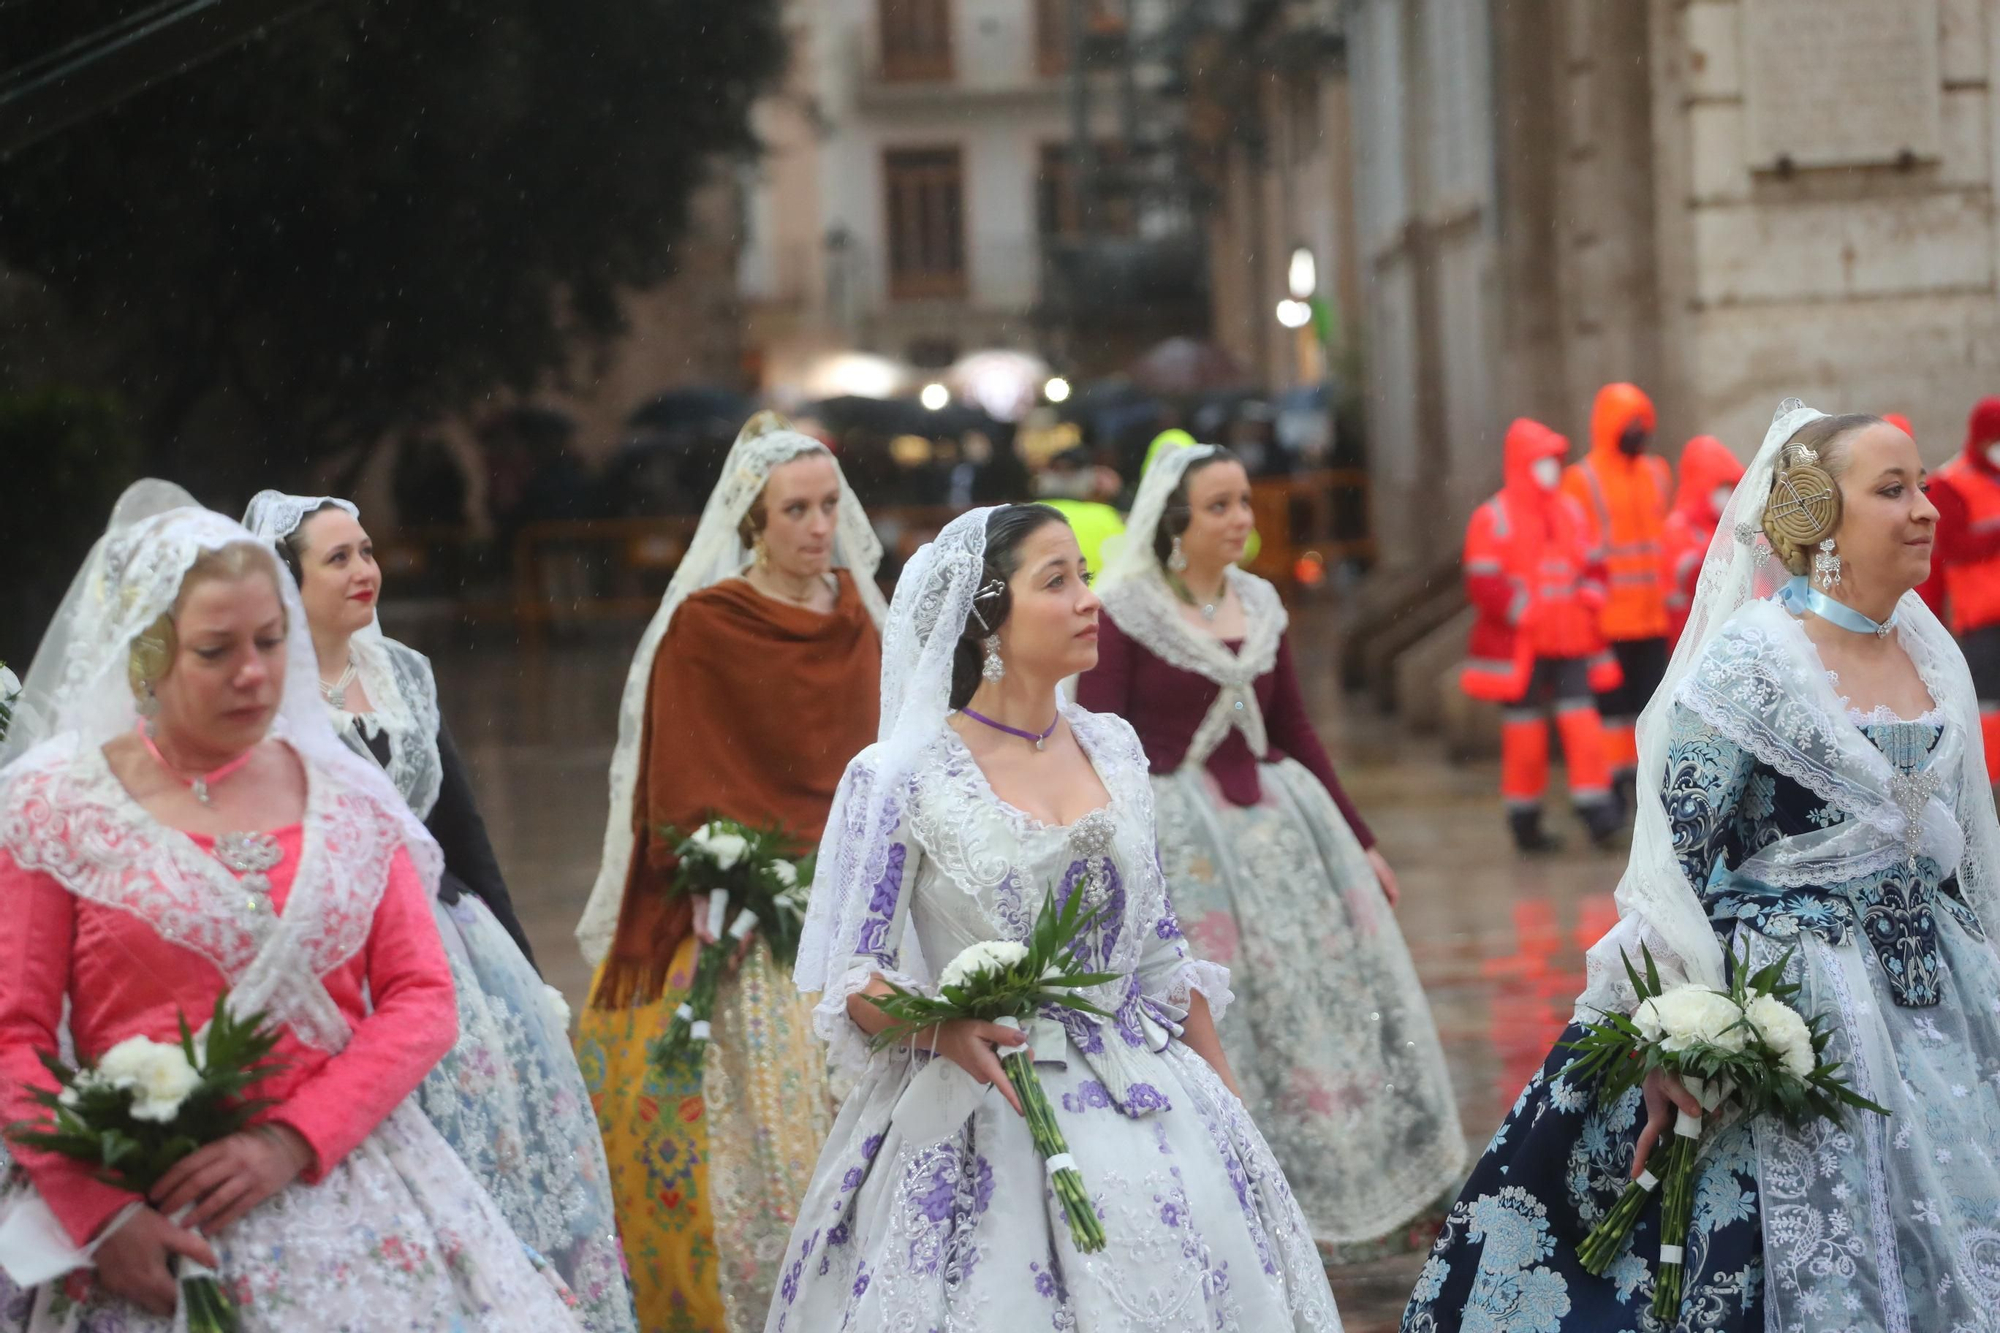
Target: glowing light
{"type": "Point", "coordinates": [934, 396]}
{"type": "Point", "coordinates": [1309, 570]}
{"type": "Point", "coordinates": [1294, 314]}
{"type": "Point", "coordinates": [1303, 274]}
{"type": "Point", "coordinates": [1056, 390]}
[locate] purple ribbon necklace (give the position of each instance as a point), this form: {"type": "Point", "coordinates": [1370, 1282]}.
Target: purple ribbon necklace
{"type": "Point", "coordinates": [1028, 736]}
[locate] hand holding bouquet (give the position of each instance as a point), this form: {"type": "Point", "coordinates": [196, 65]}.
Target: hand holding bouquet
{"type": "Point", "coordinates": [1002, 982]}
{"type": "Point", "coordinates": [1747, 1047]}
{"type": "Point", "coordinates": [734, 864]}
{"type": "Point", "coordinates": [145, 1106]}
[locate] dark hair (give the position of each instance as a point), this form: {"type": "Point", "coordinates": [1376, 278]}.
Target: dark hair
{"type": "Point", "coordinates": [1178, 512]}
{"type": "Point", "coordinates": [1006, 529]}
{"type": "Point", "coordinates": [292, 546]}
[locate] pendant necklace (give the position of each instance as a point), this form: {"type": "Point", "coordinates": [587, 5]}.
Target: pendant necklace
{"type": "Point", "coordinates": [202, 783]}
{"type": "Point", "coordinates": [336, 693]}
{"type": "Point", "coordinates": [1028, 736]}
{"type": "Point", "coordinates": [1207, 610]}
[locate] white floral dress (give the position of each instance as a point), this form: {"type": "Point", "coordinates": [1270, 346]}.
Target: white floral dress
{"type": "Point", "coordinates": [963, 1233]}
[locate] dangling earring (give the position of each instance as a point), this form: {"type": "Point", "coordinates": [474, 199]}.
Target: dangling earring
{"type": "Point", "coordinates": [759, 553]}
{"type": "Point", "coordinates": [1177, 558]}
{"type": "Point", "coordinates": [993, 669]}
{"type": "Point", "coordinates": [1826, 565]}
{"type": "Point", "coordinates": [148, 705]}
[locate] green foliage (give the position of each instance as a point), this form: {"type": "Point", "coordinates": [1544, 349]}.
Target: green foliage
{"type": "Point", "coordinates": [1049, 974]}
{"type": "Point", "coordinates": [100, 1130]}
{"type": "Point", "coordinates": [377, 210]}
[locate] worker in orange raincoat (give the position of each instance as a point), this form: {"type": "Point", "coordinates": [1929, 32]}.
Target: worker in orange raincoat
{"type": "Point", "coordinates": [1709, 472]}
{"type": "Point", "coordinates": [1624, 492]}
{"type": "Point", "coordinates": [1537, 584]}
{"type": "Point", "coordinates": [1966, 492]}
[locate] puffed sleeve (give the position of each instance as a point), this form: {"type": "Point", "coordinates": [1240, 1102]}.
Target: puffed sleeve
{"type": "Point", "coordinates": [1704, 778]}
{"type": "Point", "coordinates": [1168, 970]}
{"type": "Point", "coordinates": [35, 958]}
{"type": "Point", "coordinates": [413, 1025]}
{"type": "Point", "coordinates": [874, 946]}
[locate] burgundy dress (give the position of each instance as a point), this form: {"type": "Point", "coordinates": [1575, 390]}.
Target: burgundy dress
{"type": "Point", "coordinates": [1265, 859]}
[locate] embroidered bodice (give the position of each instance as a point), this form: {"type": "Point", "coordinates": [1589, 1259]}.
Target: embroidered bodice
{"type": "Point", "coordinates": [965, 867]}
{"type": "Point", "coordinates": [1723, 806]}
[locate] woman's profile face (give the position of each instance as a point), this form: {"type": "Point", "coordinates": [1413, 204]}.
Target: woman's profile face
{"type": "Point", "coordinates": [339, 581]}
{"type": "Point", "coordinates": [1887, 523]}
{"type": "Point", "coordinates": [223, 686]}
{"type": "Point", "coordinates": [801, 509]}
{"type": "Point", "coordinates": [1051, 626]}
{"type": "Point", "coordinates": [1219, 515]}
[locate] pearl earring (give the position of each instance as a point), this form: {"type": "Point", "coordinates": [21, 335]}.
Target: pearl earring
{"type": "Point", "coordinates": [1177, 558]}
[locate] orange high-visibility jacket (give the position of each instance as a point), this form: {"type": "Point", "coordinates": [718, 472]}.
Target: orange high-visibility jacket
{"type": "Point", "coordinates": [1967, 494]}
{"type": "Point", "coordinates": [1706, 465]}
{"type": "Point", "coordinates": [1534, 577]}
{"type": "Point", "coordinates": [1624, 500]}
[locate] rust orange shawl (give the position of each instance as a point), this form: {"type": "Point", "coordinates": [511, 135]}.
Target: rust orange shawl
{"type": "Point", "coordinates": [753, 710]}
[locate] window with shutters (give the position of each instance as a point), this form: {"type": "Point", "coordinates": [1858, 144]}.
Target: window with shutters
{"type": "Point", "coordinates": [1059, 203]}
{"type": "Point", "coordinates": [925, 211]}
{"type": "Point", "coordinates": [916, 38]}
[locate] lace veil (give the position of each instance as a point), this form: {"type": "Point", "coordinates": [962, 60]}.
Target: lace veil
{"type": "Point", "coordinates": [1747, 668]}
{"type": "Point", "coordinates": [933, 598]}
{"type": "Point", "coordinates": [716, 553]}
{"type": "Point", "coordinates": [401, 686]}
{"type": "Point", "coordinates": [63, 812]}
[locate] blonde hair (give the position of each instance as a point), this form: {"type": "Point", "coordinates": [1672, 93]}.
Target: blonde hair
{"type": "Point", "coordinates": [1830, 438]}
{"type": "Point", "coordinates": [154, 648]}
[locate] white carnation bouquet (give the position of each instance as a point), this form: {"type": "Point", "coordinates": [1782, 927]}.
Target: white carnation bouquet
{"type": "Point", "coordinates": [1005, 982]}
{"type": "Point", "coordinates": [734, 864]}
{"type": "Point", "coordinates": [143, 1105]}
{"type": "Point", "coordinates": [1746, 1050]}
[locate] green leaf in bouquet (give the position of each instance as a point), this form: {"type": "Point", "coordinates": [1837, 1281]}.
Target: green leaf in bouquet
{"type": "Point", "coordinates": [1652, 971]}
{"type": "Point", "coordinates": [115, 1146]}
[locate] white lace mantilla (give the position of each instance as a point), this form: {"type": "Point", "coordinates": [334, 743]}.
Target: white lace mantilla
{"type": "Point", "coordinates": [64, 813]}
{"type": "Point", "coordinates": [403, 691]}
{"type": "Point", "coordinates": [1149, 613]}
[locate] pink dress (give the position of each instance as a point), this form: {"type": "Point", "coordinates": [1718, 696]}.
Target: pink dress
{"type": "Point", "coordinates": [386, 1217]}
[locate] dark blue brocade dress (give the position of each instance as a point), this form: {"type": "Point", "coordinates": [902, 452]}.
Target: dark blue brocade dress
{"type": "Point", "coordinates": [1506, 1259]}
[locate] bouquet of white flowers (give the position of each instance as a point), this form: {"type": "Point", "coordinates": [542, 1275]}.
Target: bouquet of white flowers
{"type": "Point", "coordinates": [1746, 1047]}
{"type": "Point", "coordinates": [144, 1105]}
{"type": "Point", "coordinates": [1003, 982]}
{"type": "Point", "coordinates": [734, 863]}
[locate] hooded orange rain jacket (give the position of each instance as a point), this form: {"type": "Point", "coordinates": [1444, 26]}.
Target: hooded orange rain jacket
{"type": "Point", "coordinates": [1624, 501]}
{"type": "Point", "coordinates": [1966, 492]}
{"type": "Point", "coordinates": [1534, 577]}
{"type": "Point", "coordinates": [1706, 467]}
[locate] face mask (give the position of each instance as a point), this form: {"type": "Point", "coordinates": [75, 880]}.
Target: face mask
{"type": "Point", "coordinates": [1993, 453]}
{"type": "Point", "coordinates": [1547, 472]}
{"type": "Point", "coordinates": [1634, 441]}
{"type": "Point", "coordinates": [1719, 497]}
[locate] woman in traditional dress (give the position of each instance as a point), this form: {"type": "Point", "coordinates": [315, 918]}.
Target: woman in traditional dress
{"type": "Point", "coordinates": [176, 819]}
{"type": "Point", "coordinates": [1813, 787]}
{"type": "Point", "coordinates": [985, 796]}
{"type": "Point", "coordinates": [1271, 869]}
{"type": "Point", "coordinates": [752, 688]}
{"type": "Point", "coordinates": [509, 1096]}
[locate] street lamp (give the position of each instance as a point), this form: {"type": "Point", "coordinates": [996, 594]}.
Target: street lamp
{"type": "Point", "coordinates": [934, 396]}
{"type": "Point", "coordinates": [1294, 314]}
{"type": "Point", "coordinates": [1302, 276]}
{"type": "Point", "coordinates": [1056, 390]}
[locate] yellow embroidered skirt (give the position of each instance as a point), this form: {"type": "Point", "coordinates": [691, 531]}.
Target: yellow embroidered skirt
{"type": "Point", "coordinates": [710, 1157]}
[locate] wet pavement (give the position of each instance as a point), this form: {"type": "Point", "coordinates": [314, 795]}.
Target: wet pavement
{"type": "Point", "coordinates": [1497, 939]}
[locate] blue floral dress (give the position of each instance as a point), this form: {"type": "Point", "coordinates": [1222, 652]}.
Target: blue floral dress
{"type": "Point", "coordinates": [1897, 960]}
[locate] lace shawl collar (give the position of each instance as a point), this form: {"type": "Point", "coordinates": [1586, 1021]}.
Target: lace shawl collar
{"type": "Point", "coordinates": [1761, 685]}
{"type": "Point", "coordinates": [64, 813]}
{"type": "Point", "coordinates": [1148, 612]}
{"type": "Point", "coordinates": [403, 691]}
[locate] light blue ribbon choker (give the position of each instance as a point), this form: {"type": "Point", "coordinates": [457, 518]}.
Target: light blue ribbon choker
{"type": "Point", "coordinates": [1799, 597]}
